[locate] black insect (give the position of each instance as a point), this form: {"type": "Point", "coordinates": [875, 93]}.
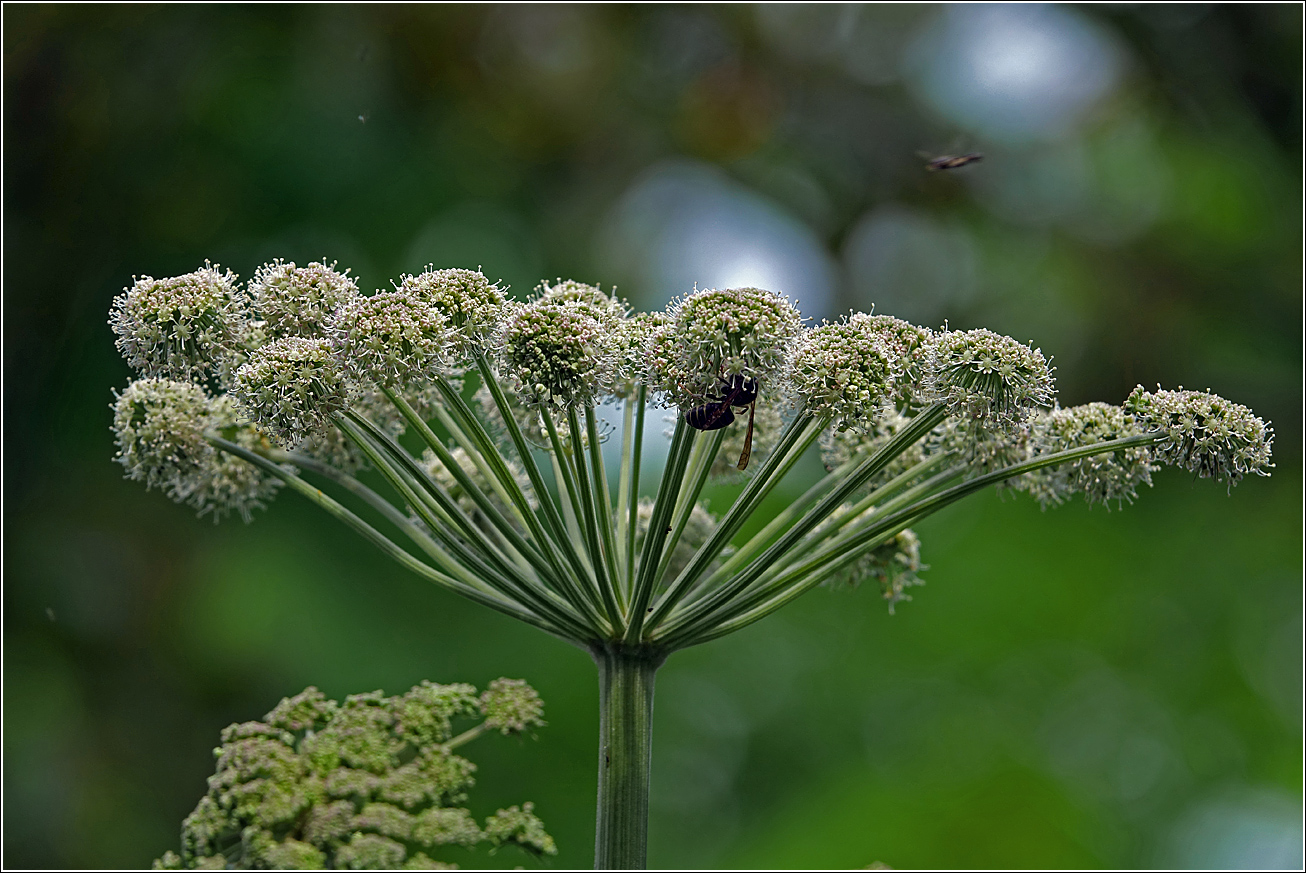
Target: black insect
{"type": "Point", "coordinates": [952, 162]}
{"type": "Point", "coordinates": [738, 391]}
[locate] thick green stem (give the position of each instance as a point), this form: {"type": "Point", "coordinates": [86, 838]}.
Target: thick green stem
{"type": "Point", "coordinates": [626, 676]}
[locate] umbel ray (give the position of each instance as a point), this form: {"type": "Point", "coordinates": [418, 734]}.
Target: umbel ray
{"type": "Point", "coordinates": [297, 380]}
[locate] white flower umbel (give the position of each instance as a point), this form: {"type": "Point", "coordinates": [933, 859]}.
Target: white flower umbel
{"type": "Point", "coordinates": [291, 387]}
{"type": "Point", "coordinates": [509, 504]}
{"type": "Point", "coordinates": [186, 327]}
{"type": "Point", "coordinates": [299, 301]}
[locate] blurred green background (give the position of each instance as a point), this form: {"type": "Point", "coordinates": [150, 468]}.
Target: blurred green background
{"type": "Point", "coordinates": [1072, 688]}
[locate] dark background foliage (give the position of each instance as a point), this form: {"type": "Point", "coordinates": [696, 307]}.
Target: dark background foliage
{"type": "Point", "coordinates": [1071, 688]}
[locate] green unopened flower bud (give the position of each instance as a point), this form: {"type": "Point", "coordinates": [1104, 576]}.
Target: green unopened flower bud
{"type": "Point", "coordinates": [291, 387]}
{"type": "Point", "coordinates": [1114, 476]}
{"type": "Point", "coordinates": [186, 327]}
{"type": "Point", "coordinates": [987, 377]}
{"type": "Point", "coordinates": [554, 354]}
{"type": "Point", "coordinates": [470, 302]}
{"type": "Point", "coordinates": [299, 301]}
{"type": "Point", "coordinates": [843, 371]}
{"type": "Point", "coordinates": [511, 706]}
{"type": "Point", "coordinates": [1204, 433]}
{"type": "Point", "coordinates": [715, 334]}
{"type": "Point", "coordinates": [392, 339]}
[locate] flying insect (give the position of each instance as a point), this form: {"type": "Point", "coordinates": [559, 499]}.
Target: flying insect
{"type": "Point", "coordinates": [740, 391]}
{"type": "Point", "coordinates": [952, 162]}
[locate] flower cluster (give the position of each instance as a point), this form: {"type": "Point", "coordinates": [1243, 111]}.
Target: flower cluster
{"type": "Point", "coordinates": [299, 301]}
{"type": "Point", "coordinates": [1105, 478]}
{"type": "Point", "coordinates": [160, 426]}
{"type": "Point", "coordinates": [843, 371]}
{"type": "Point", "coordinates": [392, 339]}
{"type": "Point", "coordinates": [292, 387]}
{"type": "Point", "coordinates": [987, 377]}
{"type": "Point", "coordinates": [187, 327]}
{"type": "Point", "coordinates": [371, 783]}
{"type": "Point", "coordinates": [554, 354]}
{"type": "Point", "coordinates": [1204, 433]}
{"type": "Point", "coordinates": [908, 344]}
{"type": "Point", "coordinates": [711, 334]}
{"type": "Point", "coordinates": [471, 303]}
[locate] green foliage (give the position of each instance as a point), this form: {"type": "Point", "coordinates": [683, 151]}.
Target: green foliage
{"type": "Point", "coordinates": [371, 783]}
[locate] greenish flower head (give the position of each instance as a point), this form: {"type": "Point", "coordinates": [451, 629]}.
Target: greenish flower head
{"type": "Point", "coordinates": [1204, 433]}
{"type": "Point", "coordinates": [600, 304]}
{"type": "Point", "coordinates": [299, 301]}
{"type": "Point", "coordinates": [987, 377]}
{"type": "Point", "coordinates": [186, 327]}
{"type": "Point", "coordinates": [392, 339]}
{"type": "Point", "coordinates": [291, 388]}
{"type": "Point", "coordinates": [714, 334]}
{"type": "Point", "coordinates": [907, 343]}
{"type": "Point", "coordinates": [159, 428]}
{"type": "Point", "coordinates": [471, 303]}
{"type": "Point", "coordinates": [554, 354]}
{"type": "Point", "coordinates": [371, 783]}
{"type": "Point", "coordinates": [843, 371]}
{"type": "Point", "coordinates": [1107, 478]}
{"type": "Point", "coordinates": [630, 339]}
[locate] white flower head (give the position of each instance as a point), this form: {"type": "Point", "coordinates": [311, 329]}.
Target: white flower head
{"type": "Point", "coordinates": [555, 354]}
{"type": "Point", "coordinates": [471, 303]}
{"type": "Point", "coordinates": [1204, 433]}
{"type": "Point", "coordinates": [845, 371]}
{"type": "Point", "coordinates": [1106, 478]}
{"type": "Point", "coordinates": [392, 339]}
{"type": "Point", "coordinates": [299, 301]}
{"type": "Point", "coordinates": [186, 327]}
{"type": "Point", "coordinates": [987, 377]}
{"type": "Point", "coordinates": [291, 387]}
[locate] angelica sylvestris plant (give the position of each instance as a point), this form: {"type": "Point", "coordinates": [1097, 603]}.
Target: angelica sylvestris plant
{"type": "Point", "coordinates": [369, 784]}
{"type": "Point", "coordinates": [298, 381]}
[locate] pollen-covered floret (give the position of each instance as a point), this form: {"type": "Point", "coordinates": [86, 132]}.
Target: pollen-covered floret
{"type": "Point", "coordinates": [554, 354]}
{"type": "Point", "coordinates": [987, 377]}
{"type": "Point", "coordinates": [299, 301]}
{"type": "Point", "coordinates": [471, 303]}
{"type": "Point", "coordinates": [843, 371]}
{"type": "Point", "coordinates": [1106, 478]}
{"type": "Point", "coordinates": [1204, 433]}
{"type": "Point", "coordinates": [291, 388]}
{"type": "Point", "coordinates": [371, 783]}
{"type": "Point", "coordinates": [714, 333]}
{"type": "Point", "coordinates": [159, 426]}
{"type": "Point", "coordinates": [392, 339]}
{"type": "Point", "coordinates": [187, 327]}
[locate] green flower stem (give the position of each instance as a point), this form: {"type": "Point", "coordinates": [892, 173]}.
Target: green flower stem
{"type": "Point", "coordinates": [476, 431]}
{"type": "Point", "coordinates": [623, 505]}
{"type": "Point", "coordinates": [568, 486]}
{"type": "Point", "coordinates": [603, 504]}
{"type": "Point", "coordinates": [641, 399]}
{"type": "Point", "coordinates": [706, 447]}
{"type": "Point", "coordinates": [372, 535]}
{"type": "Point", "coordinates": [797, 436]}
{"type": "Point", "coordinates": [832, 556]}
{"type": "Point", "coordinates": [575, 537]}
{"type": "Point", "coordinates": [626, 678]}
{"type": "Point", "coordinates": [501, 524]}
{"type": "Point", "coordinates": [551, 515]}
{"type": "Point", "coordinates": [672, 477]}
{"type": "Point", "coordinates": [593, 534]}
{"type": "Point", "coordinates": [376, 501]}
{"type": "Point", "coordinates": [491, 566]}
{"type": "Point", "coordinates": [704, 612]}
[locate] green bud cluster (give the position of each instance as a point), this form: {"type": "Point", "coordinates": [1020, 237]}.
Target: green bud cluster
{"type": "Point", "coordinates": [370, 783]}
{"type": "Point", "coordinates": [1204, 433]}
